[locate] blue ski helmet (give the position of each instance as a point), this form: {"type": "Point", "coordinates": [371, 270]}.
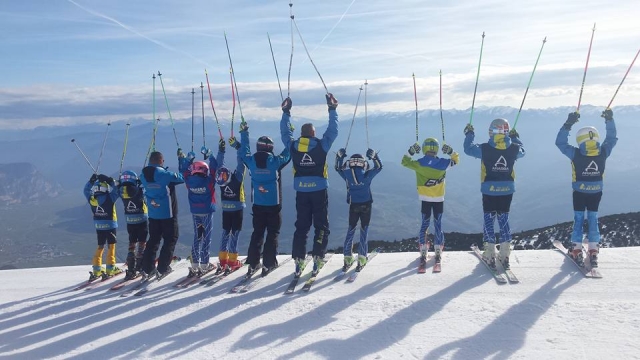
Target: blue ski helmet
{"type": "Point", "coordinates": [128, 177]}
{"type": "Point", "coordinates": [223, 176]}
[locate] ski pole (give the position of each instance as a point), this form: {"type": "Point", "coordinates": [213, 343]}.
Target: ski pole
{"type": "Point", "coordinates": [441, 117]}
{"type": "Point", "coordinates": [275, 67]}
{"type": "Point", "coordinates": [124, 150]}
{"type": "Point", "coordinates": [104, 143]}
{"type": "Point", "coordinates": [309, 55]}
{"type": "Point", "coordinates": [415, 97]}
{"type": "Point", "coordinates": [366, 121]}
{"type": "Point", "coordinates": [233, 98]}
{"type": "Point", "coordinates": [233, 76]}
{"type": "Point", "coordinates": [475, 90]}
{"type": "Point", "coordinates": [586, 66]}
{"type": "Point", "coordinates": [529, 84]}
{"type": "Point", "coordinates": [353, 119]}
{"type": "Point", "coordinates": [192, 113]}
{"type": "Point", "coordinates": [153, 140]}
{"type": "Point", "coordinates": [211, 100]}
{"type": "Point", "coordinates": [290, 57]}
{"type": "Point", "coordinates": [175, 135]}
{"type": "Point", "coordinates": [202, 96]}
{"type": "Point", "coordinates": [152, 145]}
{"type": "Point", "coordinates": [623, 78]}
{"type": "Point", "coordinates": [85, 156]}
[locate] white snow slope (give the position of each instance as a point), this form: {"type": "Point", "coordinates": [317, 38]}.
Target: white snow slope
{"type": "Point", "coordinates": [389, 312]}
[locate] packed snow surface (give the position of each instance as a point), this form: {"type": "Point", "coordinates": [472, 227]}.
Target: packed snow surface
{"type": "Point", "coordinates": [389, 312]}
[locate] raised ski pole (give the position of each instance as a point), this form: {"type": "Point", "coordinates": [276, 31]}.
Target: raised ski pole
{"type": "Point", "coordinates": [475, 90]}
{"type": "Point", "coordinates": [586, 66]}
{"type": "Point", "coordinates": [415, 97]}
{"type": "Point", "coordinates": [233, 76]}
{"type": "Point", "coordinates": [623, 78]}
{"type": "Point", "coordinates": [175, 135]}
{"type": "Point", "coordinates": [84, 156]}
{"type": "Point", "coordinates": [353, 119]}
{"type": "Point", "coordinates": [204, 142]}
{"type": "Point", "coordinates": [192, 116]}
{"type": "Point", "coordinates": [212, 107]}
{"type": "Point", "coordinates": [124, 149]}
{"type": "Point", "coordinates": [529, 84]}
{"type": "Point", "coordinates": [309, 55]}
{"type": "Point", "coordinates": [233, 99]}
{"type": "Point", "coordinates": [366, 120]}
{"type": "Point", "coordinates": [152, 145]}
{"type": "Point", "coordinates": [104, 143]}
{"type": "Point", "coordinates": [291, 56]}
{"type": "Point", "coordinates": [441, 117]}
{"type": "Point", "coordinates": [275, 66]}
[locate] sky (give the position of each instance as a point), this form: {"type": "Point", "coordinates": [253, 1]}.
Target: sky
{"type": "Point", "coordinates": [389, 312]}
{"type": "Point", "coordinates": [80, 61]}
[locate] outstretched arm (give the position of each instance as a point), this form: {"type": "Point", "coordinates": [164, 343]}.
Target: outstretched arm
{"type": "Point", "coordinates": [470, 148]}
{"type": "Point", "coordinates": [331, 133]}
{"type": "Point", "coordinates": [611, 138]}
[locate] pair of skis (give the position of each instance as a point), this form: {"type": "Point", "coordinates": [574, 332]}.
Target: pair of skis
{"type": "Point", "coordinates": [88, 285]}
{"type": "Point", "coordinates": [188, 281]}
{"type": "Point", "coordinates": [353, 276]}
{"type": "Point", "coordinates": [586, 269]}
{"type": "Point", "coordinates": [501, 274]}
{"type": "Point", "coordinates": [248, 282]}
{"type": "Point", "coordinates": [310, 278]}
{"type": "Point", "coordinates": [422, 267]}
{"type": "Point", "coordinates": [145, 285]}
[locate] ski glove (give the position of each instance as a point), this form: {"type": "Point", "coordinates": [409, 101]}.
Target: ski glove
{"type": "Point", "coordinates": [468, 129]}
{"type": "Point", "coordinates": [607, 115]}
{"type": "Point", "coordinates": [371, 154]}
{"type": "Point", "coordinates": [341, 153]}
{"type": "Point", "coordinates": [286, 106]}
{"type": "Point", "coordinates": [180, 153]}
{"type": "Point", "coordinates": [233, 142]}
{"type": "Point", "coordinates": [446, 149]}
{"type": "Point", "coordinates": [332, 103]}
{"type": "Point", "coordinates": [221, 145]}
{"type": "Point", "coordinates": [513, 134]}
{"type": "Point", "coordinates": [93, 178]}
{"type": "Point", "coordinates": [244, 127]}
{"type": "Point", "coordinates": [414, 149]}
{"type": "Point", "coordinates": [191, 155]}
{"type": "Point", "coordinates": [571, 119]}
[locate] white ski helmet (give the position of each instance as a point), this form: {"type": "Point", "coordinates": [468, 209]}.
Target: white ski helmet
{"type": "Point", "coordinates": [499, 126]}
{"type": "Point", "coordinates": [587, 133]}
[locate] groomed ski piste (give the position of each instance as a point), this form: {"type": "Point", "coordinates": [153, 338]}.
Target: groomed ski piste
{"type": "Point", "coordinates": [389, 312]}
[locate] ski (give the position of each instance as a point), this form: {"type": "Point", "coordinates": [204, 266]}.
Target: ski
{"type": "Point", "coordinates": [422, 267]}
{"type": "Point", "coordinates": [240, 284]}
{"type": "Point", "coordinates": [292, 285]}
{"type": "Point", "coordinates": [312, 279]}
{"type": "Point", "coordinates": [94, 284]}
{"type": "Point", "coordinates": [85, 284]}
{"type": "Point", "coordinates": [124, 282]}
{"type": "Point", "coordinates": [500, 279]}
{"type": "Point", "coordinates": [595, 272]}
{"type": "Point", "coordinates": [251, 284]}
{"type": "Point", "coordinates": [152, 284]}
{"type": "Point", "coordinates": [144, 283]}
{"type": "Point", "coordinates": [511, 277]}
{"type": "Point", "coordinates": [344, 272]}
{"type": "Point", "coordinates": [188, 281]}
{"type": "Point", "coordinates": [437, 267]}
{"type": "Point", "coordinates": [373, 254]}
{"type": "Point", "coordinates": [587, 271]}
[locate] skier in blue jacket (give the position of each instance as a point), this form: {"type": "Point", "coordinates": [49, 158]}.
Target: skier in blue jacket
{"type": "Point", "coordinates": [588, 162]}
{"type": "Point", "coordinates": [199, 177]}
{"type": "Point", "coordinates": [100, 191]}
{"type": "Point", "coordinates": [310, 180]}
{"type": "Point", "coordinates": [264, 167]}
{"type": "Point", "coordinates": [497, 161]}
{"type": "Point", "coordinates": [160, 193]}
{"type": "Point", "coordinates": [358, 177]}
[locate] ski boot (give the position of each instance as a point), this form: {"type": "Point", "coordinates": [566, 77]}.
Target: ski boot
{"type": "Point", "coordinates": [593, 257]}
{"type": "Point", "coordinates": [362, 261]}
{"type": "Point", "coordinates": [348, 261]}
{"type": "Point", "coordinates": [130, 274]}
{"type": "Point", "coordinates": [252, 270]}
{"type": "Point", "coordinates": [206, 268]}
{"type": "Point", "coordinates": [266, 270]}
{"type": "Point", "coordinates": [438, 256]}
{"type": "Point", "coordinates": [503, 255]}
{"type": "Point", "coordinates": [162, 275]}
{"type": "Point", "coordinates": [489, 254]}
{"type": "Point", "coordinates": [233, 266]}
{"type": "Point", "coordinates": [318, 263]}
{"type": "Point", "coordinates": [576, 254]}
{"type": "Point", "coordinates": [300, 265]}
{"type": "Point", "coordinates": [194, 270]}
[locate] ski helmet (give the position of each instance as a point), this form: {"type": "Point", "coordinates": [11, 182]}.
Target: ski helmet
{"type": "Point", "coordinates": [99, 188]}
{"type": "Point", "coordinates": [223, 176]}
{"type": "Point", "coordinates": [264, 144]}
{"type": "Point", "coordinates": [128, 177]}
{"type": "Point", "coordinates": [499, 127]}
{"type": "Point", "coordinates": [587, 133]}
{"type": "Point", "coordinates": [430, 146]}
{"type": "Point", "coordinates": [357, 160]}
{"type": "Point", "coordinates": [199, 167]}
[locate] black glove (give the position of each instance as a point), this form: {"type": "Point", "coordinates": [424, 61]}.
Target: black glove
{"type": "Point", "coordinates": [571, 119]}
{"type": "Point", "coordinates": [468, 129]}
{"type": "Point", "coordinates": [244, 127]}
{"type": "Point", "coordinates": [414, 149]}
{"type": "Point", "coordinates": [513, 134]}
{"type": "Point", "coordinates": [607, 115]}
{"type": "Point", "coordinates": [371, 154]}
{"type": "Point", "coordinates": [234, 143]}
{"type": "Point", "coordinates": [286, 106]}
{"type": "Point", "coordinates": [103, 178]}
{"type": "Point", "coordinates": [341, 153]}
{"type": "Point", "coordinates": [93, 178]}
{"type": "Point", "coordinates": [447, 150]}
{"type": "Point", "coordinates": [180, 153]}
{"type": "Point", "coordinates": [221, 145]}
{"type": "Point", "coordinates": [331, 101]}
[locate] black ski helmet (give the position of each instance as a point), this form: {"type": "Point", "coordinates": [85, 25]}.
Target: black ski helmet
{"type": "Point", "coordinates": [264, 144]}
{"type": "Point", "coordinates": [357, 160]}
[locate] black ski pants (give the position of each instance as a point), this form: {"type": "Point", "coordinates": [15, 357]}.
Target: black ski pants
{"type": "Point", "coordinates": [160, 229]}
{"type": "Point", "coordinates": [269, 219]}
{"type": "Point", "coordinates": [312, 209]}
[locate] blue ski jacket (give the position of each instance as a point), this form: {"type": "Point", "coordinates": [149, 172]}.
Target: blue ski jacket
{"type": "Point", "coordinates": [156, 181]}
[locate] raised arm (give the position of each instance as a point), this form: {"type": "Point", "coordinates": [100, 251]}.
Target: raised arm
{"type": "Point", "coordinates": [377, 163]}
{"type": "Point", "coordinates": [470, 148]}
{"type": "Point", "coordinates": [331, 133]}
{"type": "Point", "coordinates": [286, 129]}
{"type": "Point", "coordinates": [611, 138]}
{"type": "Point", "coordinates": [562, 139]}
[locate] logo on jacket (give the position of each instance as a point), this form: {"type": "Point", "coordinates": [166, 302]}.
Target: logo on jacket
{"type": "Point", "coordinates": [198, 190]}
{"type": "Point", "coordinates": [591, 169]}
{"type": "Point", "coordinates": [228, 192]}
{"type": "Point", "coordinates": [100, 211]}
{"type": "Point", "coordinates": [307, 160]}
{"type": "Point", "coordinates": [262, 189]}
{"type": "Point", "coordinates": [155, 204]}
{"type": "Point", "coordinates": [501, 165]}
{"type": "Point", "coordinates": [131, 207]}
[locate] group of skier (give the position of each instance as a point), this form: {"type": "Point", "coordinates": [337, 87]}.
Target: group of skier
{"type": "Point", "coordinates": [150, 200]}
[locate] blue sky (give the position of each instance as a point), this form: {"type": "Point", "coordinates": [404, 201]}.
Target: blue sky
{"type": "Point", "coordinates": [79, 61]}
